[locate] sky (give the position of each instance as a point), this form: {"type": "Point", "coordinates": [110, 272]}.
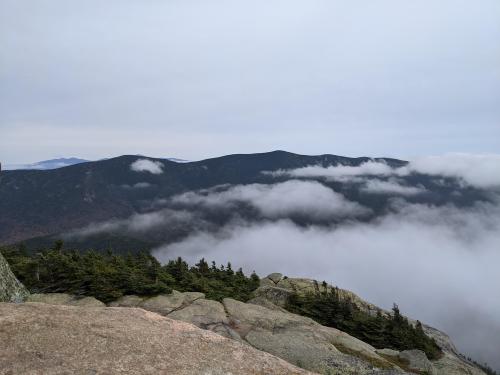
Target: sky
{"type": "Point", "coordinates": [196, 79]}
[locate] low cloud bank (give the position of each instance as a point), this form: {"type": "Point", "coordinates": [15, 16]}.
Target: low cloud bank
{"type": "Point", "coordinates": [391, 186]}
{"type": "Point", "coordinates": [478, 170]}
{"type": "Point", "coordinates": [369, 168]}
{"type": "Point", "coordinates": [439, 264]}
{"type": "Point", "coordinates": [305, 198]}
{"type": "Point", "coordinates": [137, 223]}
{"type": "Point", "coordinates": [146, 165]}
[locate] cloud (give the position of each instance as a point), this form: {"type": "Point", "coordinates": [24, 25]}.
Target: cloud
{"type": "Point", "coordinates": [440, 264]}
{"type": "Point", "coordinates": [370, 168]}
{"type": "Point", "coordinates": [478, 170]}
{"type": "Point", "coordinates": [391, 186]}
{"type": "Point", "coordinates": [146, 165]}
{"type": "Point", "coordinates": [137, 223]}
{"type": "Point", "coordinates": [304, 198]}
{"type": "Point", "coordinates": [139, 185]}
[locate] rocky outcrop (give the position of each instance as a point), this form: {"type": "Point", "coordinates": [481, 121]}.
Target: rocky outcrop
{"type": "Point", "coordinates": [266, 325]}
{"type": "Point", "coordinates": [207, 314]}
{"type": "Point", "coordinates": [11, 290]}
{"type": "Point", "coordinates": [162, 304]}
{"type": "Point", "coordinates": [303, 342]}
{"type": "Point", "coordinates": [411, 360]}
{"type": "Point", "coordinates": [54, 339]}
{"type": "Point", "coordinates": [273, 289]}
{"type": "Point", "coordinates": [417, 361]}
{"type": "Point", "coordinates": [450, 364]}
{"type": "Point", "coordinates": [64, 299]}
{"type": "Point", "coordinates": [278, 296]}
{"type": "Point", "coordinates": [294, 338]}
{"type": "Point", "coordinates": [303, 286]}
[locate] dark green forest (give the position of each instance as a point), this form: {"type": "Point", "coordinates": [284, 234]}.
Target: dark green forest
{"type": "Point", "coordinates": [109, 276]}
{"type": "Point", "coordinates": [395, 332]}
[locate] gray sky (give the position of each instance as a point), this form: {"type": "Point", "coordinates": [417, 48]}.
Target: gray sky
{"type": "Point", "coordinates": [194, 79]}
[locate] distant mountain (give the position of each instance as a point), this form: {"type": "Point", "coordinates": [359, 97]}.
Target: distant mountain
{"type": "Point", "coordinates": [37, 206]}
{"type": "Point", "coordinates": [60, 163]}
{"type": "Point", "coordinates": [46, 164]}
{"type": "Point", "coordinates": [176, 160]}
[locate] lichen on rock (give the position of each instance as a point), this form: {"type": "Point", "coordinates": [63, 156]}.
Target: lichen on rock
{"type": "Point", "coordinates": [11, 289]}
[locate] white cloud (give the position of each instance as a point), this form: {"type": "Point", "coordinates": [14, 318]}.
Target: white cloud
{"type": "Point", "coordinates": [479, 170]}
{"type": "Point", "coordinates": [309, 198]}
{"type": "Point", "coordinates": [137, 223]}
{"type": "Point", "coordinates": [369, 168]}
{"type": "Point", "coordinates": [146, 165]}
{"type": "Point", "coordinates": [391, 186]}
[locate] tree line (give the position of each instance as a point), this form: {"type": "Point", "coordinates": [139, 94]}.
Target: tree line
{"type": "Point", "coordinates": [108, 276]}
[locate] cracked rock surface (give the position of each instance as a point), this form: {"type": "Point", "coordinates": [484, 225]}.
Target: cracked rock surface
{"type": "Point", "coordinates": [296, 339]}
{"type": "Point", "coordinates": [40, 338]}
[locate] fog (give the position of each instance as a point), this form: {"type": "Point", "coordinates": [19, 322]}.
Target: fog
{"type": "Point", "coordinates": [439, 264]}
{"type": "Point", "coordinates": [137, 223]}
{"type": "Point", "coordinates": [391, 186]}
{"type": "Point", "coordinates": [280, 200]}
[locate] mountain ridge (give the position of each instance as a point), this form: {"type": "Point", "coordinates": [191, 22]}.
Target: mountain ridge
{"type": "Point", "coordinates": [39, 206]}
{"type": "Point", "coordinates": [43, 202]}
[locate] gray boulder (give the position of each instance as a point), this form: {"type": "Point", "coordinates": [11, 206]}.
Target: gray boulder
{"type": "Point", "coordinates": [202, 313]}
{"type": "Point", "coordinates": [450, 364]}
{"type": "Point", "coordinates": [264, 302]}
{"type": "Point", "coordinates": [127, 301]}
{"type": "Point", "coordinates": [278, 296]}
{"type": "Point", "coordinates": [164, 304]}
{"type": "Point", "coordinates": [417, 361]}
{"type": "Point", "coordinates": [206, 314]}
{"type": "Point", "coordinates": [275, 277]}
{"type": "Point", "coordinates": [11, 290]}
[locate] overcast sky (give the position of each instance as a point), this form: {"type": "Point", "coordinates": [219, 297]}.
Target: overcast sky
{"type": "Point", "coordinates": [195, 78]}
